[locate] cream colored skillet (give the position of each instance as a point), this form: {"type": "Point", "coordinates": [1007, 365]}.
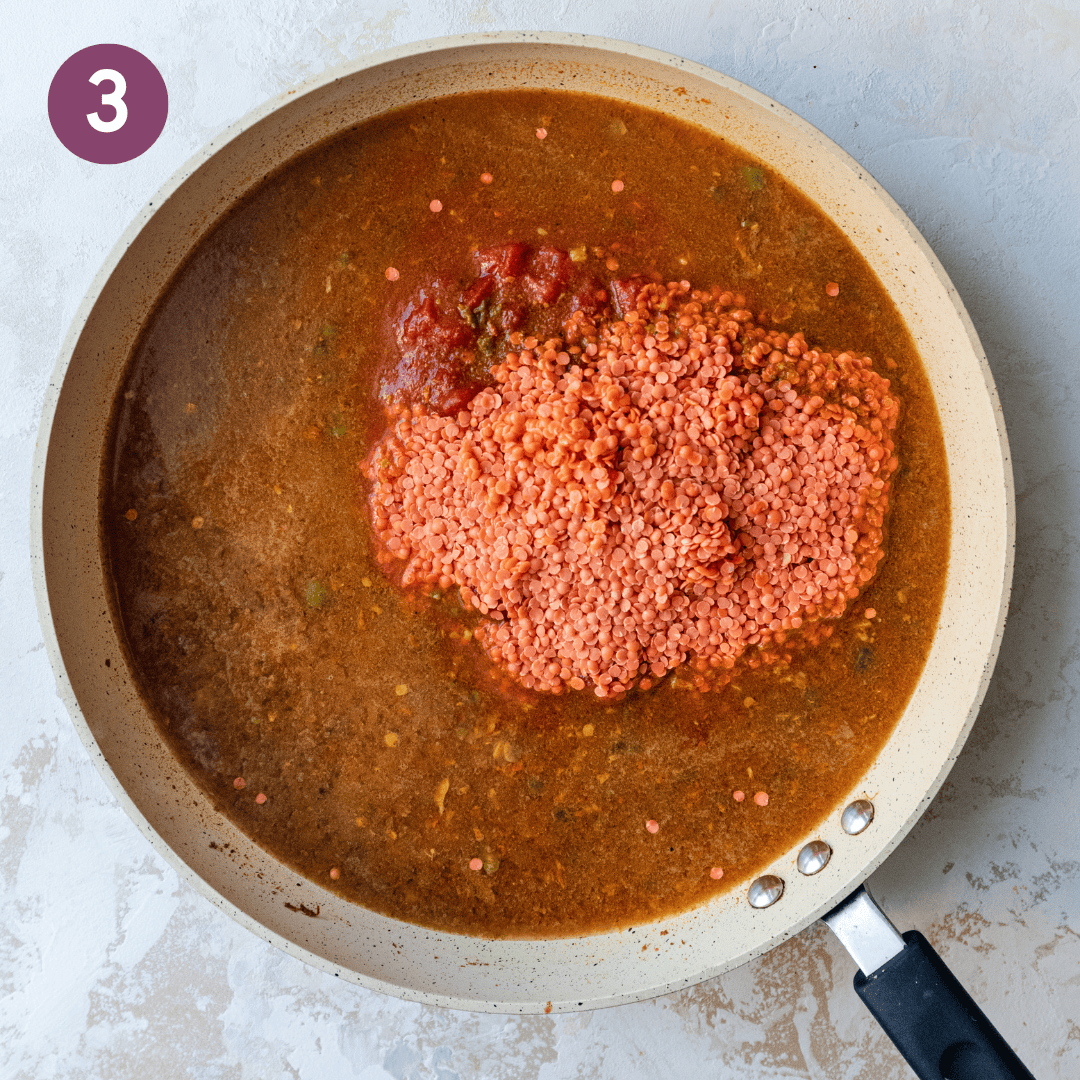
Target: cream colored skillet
{"type": "Point", "coordinates": [444, 969]}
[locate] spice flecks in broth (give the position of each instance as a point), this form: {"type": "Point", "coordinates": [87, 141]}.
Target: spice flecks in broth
{"type": "Point", "coordinates": [217, 620]}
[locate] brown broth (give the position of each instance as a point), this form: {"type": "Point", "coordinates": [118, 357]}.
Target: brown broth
{"type": "Point", "coordinates": [271, 645]}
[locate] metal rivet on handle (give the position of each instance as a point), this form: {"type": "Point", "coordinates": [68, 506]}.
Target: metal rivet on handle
{"type": "Point", "coordinates": [765, 891]}
{"type": "Point", "coordinates": [857, 816]}
{"type": "Point", "coordinates": [813, 857]}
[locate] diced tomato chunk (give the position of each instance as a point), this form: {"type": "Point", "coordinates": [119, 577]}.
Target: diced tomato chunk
{"type": "Point", "coordinates": [438, 363]}
{"type": "Point", "coordinates": [454, 400]}
{"type": "Point", "coordinates": [433, 353]}
{"type": "Point", "coordinates": [478, 291]}
{"type": "Point", "coordinates": [625, 293]}
{"type": "Point", "coordinates": [423, 327]}
{"type": "Point", "coordinates": [503, 260]}
{"type": "Point", "coordinates": [548, 271]}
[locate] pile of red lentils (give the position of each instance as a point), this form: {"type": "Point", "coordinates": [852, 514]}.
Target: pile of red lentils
{"type": "Point", "coordinates": [677, 485]}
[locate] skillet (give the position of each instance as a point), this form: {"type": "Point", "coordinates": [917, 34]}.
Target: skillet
{"type": "Point", "coordinates": [411, 962]}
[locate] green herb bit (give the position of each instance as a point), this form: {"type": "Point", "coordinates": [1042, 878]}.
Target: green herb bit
{"type": "Point", "coordinates": [477, 316]}
{"type": "Point", "coordinates": [327, 332]}
{"type": "Point", "coordinates": [338, 429]}
{"type": "Point", "coordinates": [753, 177]}
{"type": "Point", "coordinates": [316, 594]}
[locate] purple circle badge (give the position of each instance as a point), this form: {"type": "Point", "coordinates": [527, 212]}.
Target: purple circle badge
{"type": "Point", "coordinates": [108, 104]}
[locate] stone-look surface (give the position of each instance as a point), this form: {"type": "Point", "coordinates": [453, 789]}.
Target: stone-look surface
{"type": "Point", "coordinates": [968, 115]}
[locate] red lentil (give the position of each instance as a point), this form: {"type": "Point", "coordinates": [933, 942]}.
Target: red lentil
{"type": "Point", "coordinates": [661, 492]}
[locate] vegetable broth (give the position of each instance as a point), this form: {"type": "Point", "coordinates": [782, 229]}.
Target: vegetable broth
{"type": "Point", "coordinates": [277, 649]}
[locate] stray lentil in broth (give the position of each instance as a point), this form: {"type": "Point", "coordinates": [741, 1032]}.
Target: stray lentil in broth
{"type": "Point", "coordinates": [355, 727]}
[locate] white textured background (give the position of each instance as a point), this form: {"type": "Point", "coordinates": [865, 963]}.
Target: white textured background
{"type": "Point", "coordinates": [969, 115]}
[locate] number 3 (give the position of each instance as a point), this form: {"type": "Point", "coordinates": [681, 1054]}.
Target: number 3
{"type": "Point", "coordinates": [115, 98]}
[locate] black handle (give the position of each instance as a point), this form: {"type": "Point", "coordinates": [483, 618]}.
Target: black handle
{"type": "Point", "coordinates": [941, 1032]}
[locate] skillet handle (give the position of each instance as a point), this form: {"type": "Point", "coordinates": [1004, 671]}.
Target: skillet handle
{"type": "Point", "coordinates": [935, 1024]}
